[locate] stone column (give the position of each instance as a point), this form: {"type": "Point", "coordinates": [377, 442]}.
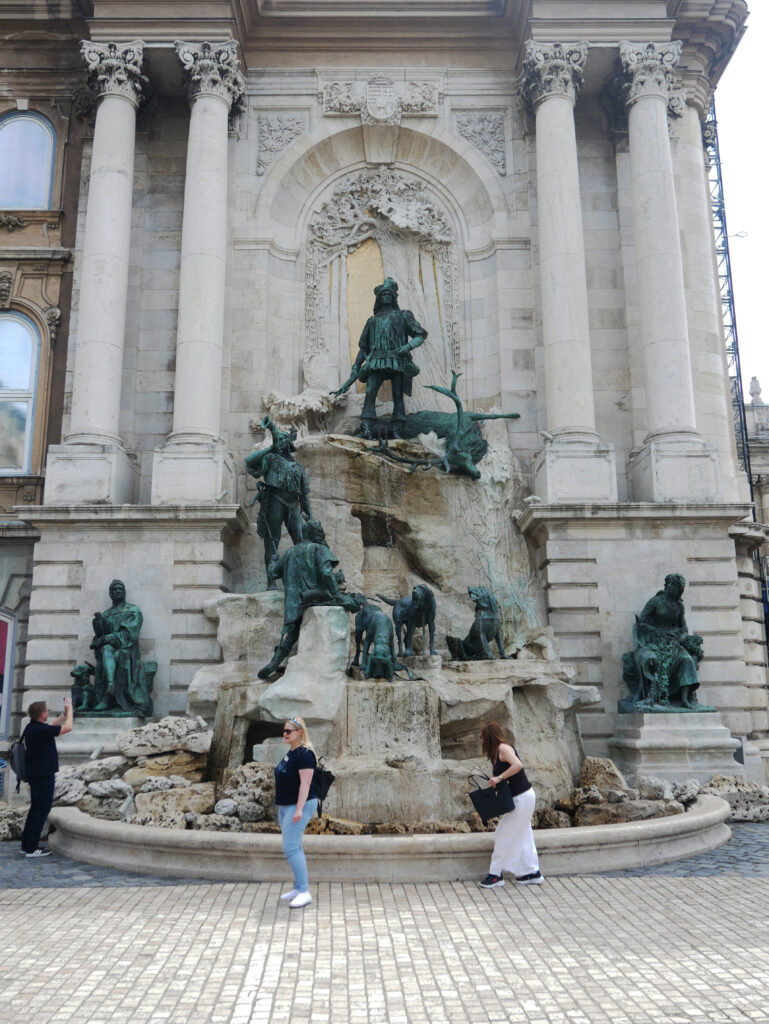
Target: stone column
{"type": "Point", "coordinates": [193, 465]}
{"type": "Point", "coordinates": [574, 465]}
{"type": "Point", "coordinates": [92, 465]}
{"type": "Point", "coordinates": [674, 463]}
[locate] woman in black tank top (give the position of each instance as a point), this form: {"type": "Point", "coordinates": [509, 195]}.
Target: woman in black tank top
{"type": "Point", "coordinates": [514, 849]}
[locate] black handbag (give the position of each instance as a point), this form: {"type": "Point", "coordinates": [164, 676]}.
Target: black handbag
{"type": "Point", "coordinates": [322, 779]}
{"type": "Point", "coordinates": [490, 801]}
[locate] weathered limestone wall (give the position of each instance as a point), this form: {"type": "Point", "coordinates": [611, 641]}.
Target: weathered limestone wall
{"type": "Point", "coordinates": [16, 547]}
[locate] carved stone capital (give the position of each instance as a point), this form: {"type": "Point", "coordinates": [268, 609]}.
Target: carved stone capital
{"type": "Point", "coordinates": [552, 69]}
{"type": "Point", "coordinates": [212, 69]}
{"type": "Point", "coordinates": [648, 70]}
{"type": "Point", "coordinates": [115, 69]}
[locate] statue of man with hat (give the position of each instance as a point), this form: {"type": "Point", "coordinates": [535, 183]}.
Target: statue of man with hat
{"type": "Point", "coordinates": [386, 344]}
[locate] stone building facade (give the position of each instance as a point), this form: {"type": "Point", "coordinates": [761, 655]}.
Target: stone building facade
{"type": "Point", "coordinates": [532, 173]}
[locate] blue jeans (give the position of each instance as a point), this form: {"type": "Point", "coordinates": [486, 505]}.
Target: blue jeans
{"type": "Point", "coordinates": [292, 839]}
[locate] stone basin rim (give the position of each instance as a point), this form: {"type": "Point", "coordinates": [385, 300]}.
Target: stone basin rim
{"type": "Point", "coordinates": [237, 856]}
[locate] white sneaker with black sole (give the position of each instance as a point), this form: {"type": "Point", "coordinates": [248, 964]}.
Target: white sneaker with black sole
{"type": "Point", "coordinates": [534, 879]}
{"type": "Point", "coordinates": [492, 882]}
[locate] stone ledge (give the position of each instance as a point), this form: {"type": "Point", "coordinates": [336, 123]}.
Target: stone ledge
{"type": "Point", "coordinates": [235, 857]}
{"type": "Point", "coordinates": [730, 513]}
{"type": "Point", "coordinates": [141, 515]}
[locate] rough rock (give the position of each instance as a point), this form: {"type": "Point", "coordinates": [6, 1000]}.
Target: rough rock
{"type": "Point", "coordinates": [160, 819]}
{"type": "Point", "coordinates": [616, 796]}
{"type": "Point", "coordinates": [686, 791]}
{"type": "Point", "coordinates": [602, 773]}
{"type": "Point", "coordinates": [749, 801]}
{"type": "Point", "coordinates": [182, 762]}
{"type": "Point", "coordinates": [12, 822]}
{"type": "Point", "coordinates": [249, 811]}
{"type": "Point", "coordinates": [217, 823]}
{"type": "Point", "coordinates": [252, 783]}
{"type": "Point", "coordinates": [162, 783]}
{"type": "Point", "coordinates": [169, 734]}
{"type": "Point", "coordinates": [635, 810]}
{"type": "Point", "coordinates": [566, 804]}
{"type": "Point", "coordinates": [109, 788]}
{"type": "Point", "coordinates": [199, 797]}
{"type": "Point", "coordinates": [652, 788]}
{"type": "Point", "coordinates": [632, 794]}
{"type": "Point", "coordinates": [68, 790]}
{"type": "Point", "coordinates": [227, 807]}
{"type": "Point", "coordinates": [343, 827]}
{"type": "Point", "coordinates": [260, 827]}
{"type": "Point", "coordinates": [587, 795]}
{"type": "Point", "coordinates": [549, 818]}
{"type": "Point", "coordinates": [316, 826]}
{"type": "Point", "coordinates": [110, 808]}
{"type": "Point", "coordinates": [102, 769]}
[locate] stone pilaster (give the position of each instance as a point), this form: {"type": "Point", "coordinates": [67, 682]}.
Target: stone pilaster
{"type": "Point", "coordinates": [674, 463]}
{"type": "Point", "coordinates": [92, 463]}
{"type": "Point", "coordinates": [573, 464]}
{"type": "Point", "coordinates": [193, 465]}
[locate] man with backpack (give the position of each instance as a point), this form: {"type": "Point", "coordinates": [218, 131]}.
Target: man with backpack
{"type": "Point", "coordinates": [42, 763]}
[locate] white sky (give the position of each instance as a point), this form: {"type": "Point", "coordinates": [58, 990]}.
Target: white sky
{"type": "Point", "coordinates": [744, 145]}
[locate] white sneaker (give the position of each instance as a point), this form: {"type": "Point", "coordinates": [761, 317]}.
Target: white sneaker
{"type": "Point", "coordinates": [290, 895]}
{"type": "Point", "coordinates": [39, 853]}
{"type": "Point", "coordinates": [301, 900]}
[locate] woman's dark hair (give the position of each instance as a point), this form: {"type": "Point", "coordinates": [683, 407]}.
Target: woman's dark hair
{"type": "Point", "coordinates": [491, 737]}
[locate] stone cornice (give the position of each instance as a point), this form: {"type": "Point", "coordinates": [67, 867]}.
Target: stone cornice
{"type": "Point", "coordinates": [212, 69]}
{"type": "Point", "coordinates": [648, 69]}
{"type": "Point", "coordinates": [552, 69]}
{"type": "Point", "coordinates": [138, 516]}
{"type": "Point", "coordinates": [115, 69]}
{"type": "Point", "coordinates": [602, 515]}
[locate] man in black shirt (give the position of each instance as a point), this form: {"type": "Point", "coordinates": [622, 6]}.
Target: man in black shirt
{"type": "Point", "coordinates": [42, 764]}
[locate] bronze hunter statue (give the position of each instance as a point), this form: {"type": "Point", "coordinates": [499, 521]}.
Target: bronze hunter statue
{"type": "Point", "coordinates": [120, 681]}
{"type": "Point", "coordinates": [385, 348]}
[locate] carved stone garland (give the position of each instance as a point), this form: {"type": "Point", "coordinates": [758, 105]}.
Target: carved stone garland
{"type": "Point", "coordinates": [485, 131]}
{"type": "Point", "coordinates": [275, 132]}
{"type": "Point", "coordinates": [349, 218]}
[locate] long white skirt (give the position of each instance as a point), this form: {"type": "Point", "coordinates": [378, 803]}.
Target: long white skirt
{"type": "Point", "coordinates": [514, 849]}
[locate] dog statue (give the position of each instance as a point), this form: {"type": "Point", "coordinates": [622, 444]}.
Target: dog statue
{"type": "Point", "coordinates": [82, 688]}
{"type": "Point", "coordinates": [410, 613]}
{"type": "Point", "coordinates": [379, 660]}
{"type": "Point", "coordinates": [486, 627]}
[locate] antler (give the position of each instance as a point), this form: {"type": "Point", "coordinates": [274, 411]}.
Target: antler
{"type": "Point", "coordinates": [452, 394]}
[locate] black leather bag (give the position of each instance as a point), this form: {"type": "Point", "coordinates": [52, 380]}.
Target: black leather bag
{"type": "Point", "coordinates": [323, 779]}
{"type": "Point", "coordinates": [490, 801]}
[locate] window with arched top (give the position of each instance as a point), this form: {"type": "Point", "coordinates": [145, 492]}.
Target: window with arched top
{"type": "Point", "coordinates": [27, 149]}
{"type": "Point", "coordinates": [19, 357]}
{"type": "Point", "coordinates": [7, 636]}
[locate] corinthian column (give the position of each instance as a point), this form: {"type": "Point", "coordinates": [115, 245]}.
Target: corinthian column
{"type": "Point", "coordinates": [575, 465]}
{"type": "Point", "coordinates": [92, 464]}
{"type": "Point", "coordinates": [194, 465]}
{"type": "Point", "coordinates": [674, 463]}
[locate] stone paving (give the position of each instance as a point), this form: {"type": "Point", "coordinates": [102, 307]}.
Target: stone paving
{"type": "Point", "coordinates": [679, 944]}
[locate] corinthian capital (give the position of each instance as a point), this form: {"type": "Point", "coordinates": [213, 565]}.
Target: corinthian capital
{"type": "Point", "coordinates": [552, 69]}
{"type": "Point", "coordinates": [115, 68]}
{"type": "Point", "coordinates": [648, 70]}
{"type": "Point", "coordinates": [211, 69]}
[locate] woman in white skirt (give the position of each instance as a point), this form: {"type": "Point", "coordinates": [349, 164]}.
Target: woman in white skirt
{"type": "Point", "coordinates": [514, 849]}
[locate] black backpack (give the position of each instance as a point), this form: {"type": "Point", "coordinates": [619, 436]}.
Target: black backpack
{"type": "Point", "coordinates": [18, 761]}
{"type": "Point", "coordinates": [322, 779]}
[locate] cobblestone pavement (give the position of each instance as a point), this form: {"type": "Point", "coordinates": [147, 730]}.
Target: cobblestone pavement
{"type": "Point", "coordinates": [662, 948]}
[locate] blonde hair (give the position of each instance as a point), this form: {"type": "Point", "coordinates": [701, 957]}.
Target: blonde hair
{"type": "Point", "coordinates": [305, 738]}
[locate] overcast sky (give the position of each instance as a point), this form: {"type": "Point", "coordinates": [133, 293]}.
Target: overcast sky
{"type": "Point", "coordinates": [744, 143]}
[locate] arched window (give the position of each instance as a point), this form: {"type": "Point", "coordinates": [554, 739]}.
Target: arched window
{"type": "Point", "coordinates": [7, 630]}
{"type": "Point", "coordinates": [27, 146]}
{"type": "Point", "coordinates": [19, 352]}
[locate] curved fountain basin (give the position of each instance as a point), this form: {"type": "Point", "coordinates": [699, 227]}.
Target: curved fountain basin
{"type": "Point", "coordinates": [238, 857]}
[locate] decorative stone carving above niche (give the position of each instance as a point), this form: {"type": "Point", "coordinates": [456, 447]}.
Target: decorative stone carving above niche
{"type": "Point", "coordinates": [6, 285]}
{"type": "Point", "coordinates": [275, 131]}
{"type": "Point", "coordinates": [416, 241]}
{"type": "Point", "coordinates": [380, 100]}
{"type": "Point", "coordinates": [486, 131]}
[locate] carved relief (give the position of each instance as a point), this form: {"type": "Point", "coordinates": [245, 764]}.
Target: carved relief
{"type": "Point", "coordinates": [381, 106]}
{"type": "Point", "coordinates": [405, 220]}
{"type": "Point", "coordinates": [275, 132]}
{"type": "Point", "coordinates": [10, 223]}
{"type": "Point", "coordinates": [381, 100]}
{"type": "Point", "coordinates": [52, 318]}
{"type": "Point", "coordinates": [341, 98]}
{"type": "Point", "coordinates": [212, 70]}
{"type": "Point", "coordinates": [485, 131]}
{"type": "Point", "coordinates": [115, 68]}
{"type": "Point", "coordinates": [6, 285]}
{"type": "Point", "coordinates": [552, 69]}
{"type": "Point", "coordinates": [419, 98]}
{"type": "Point", "coordinates": [648, 70]}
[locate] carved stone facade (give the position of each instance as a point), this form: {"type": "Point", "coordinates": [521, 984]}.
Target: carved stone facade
{"type": "Point", "coordinates": [485, 131]}
{"type": "Point", "coordinates": [553, 69]}
{"type": "Point", "coordinates": [381, 99]}
{"type": "Point", "coordinates": [276, 131]}
{"type": "Point", "coordinates": [648, 70]}
{"type": "Point", "coordinates": [116, 69]}
{"type": "Point", "coordinates": [211, 70]}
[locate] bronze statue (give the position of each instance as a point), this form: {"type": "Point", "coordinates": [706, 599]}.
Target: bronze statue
{"type": "Point", "coordinates": [487, 626]}
{"type": "Point", "coordinates": [307, 571]}
{"type": "Point", "coordinates": [284, 491]}
{"type": "Point", "coordinates": [375, 636]}
{"type": "Point", "coordinates": [385, 354]}
{"type": "Point", "coordinates": [120, 683]}
{"type": "Point", "coordinates": [661, 670]}
{"type": "Point", "coordinates": [411, 613]}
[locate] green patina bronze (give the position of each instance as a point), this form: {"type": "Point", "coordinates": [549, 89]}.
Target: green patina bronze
{"type": "Point", "coordinates": [307, 571]}
{"type": "Point", "coordinates": [661, 670]}
{"type": "Point", "coordinates": [122, 683]}
{"type": "Point", "coordinates": [283, 492]}
{"type": "Point", "coordinates": [385, 348]}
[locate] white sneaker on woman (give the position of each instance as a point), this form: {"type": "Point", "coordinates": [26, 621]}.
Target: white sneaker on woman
{"type": "Point", "coordinates": [290, 895]}
{"type": "Point", "coordinates": [301, 900]}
